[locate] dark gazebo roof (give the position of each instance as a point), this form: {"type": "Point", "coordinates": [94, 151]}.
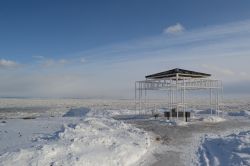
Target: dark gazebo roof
{"type": "Point", "coordinates": [180, 72]}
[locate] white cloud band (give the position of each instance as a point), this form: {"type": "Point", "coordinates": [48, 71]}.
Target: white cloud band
{"type": "Point", "coordinates": [7, 63]}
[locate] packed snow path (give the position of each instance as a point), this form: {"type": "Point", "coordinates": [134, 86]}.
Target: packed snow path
{"type": "Point", "coordinates": [180, 145]}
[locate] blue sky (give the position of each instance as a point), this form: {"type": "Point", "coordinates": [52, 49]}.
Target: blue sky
{"type": "Point", "coordinates": [75, 48]}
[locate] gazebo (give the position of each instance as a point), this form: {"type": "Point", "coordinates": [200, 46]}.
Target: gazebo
{"type": "Point", "coordinates": [177, 82]}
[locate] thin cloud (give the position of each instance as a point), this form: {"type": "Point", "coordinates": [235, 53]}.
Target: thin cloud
{"type": "Point", "coordinates": [48, 63]}
{"type": "Point", "coordinates": [7, 63]}
{"type": "Point", "coordinates": [220, 70]}
{"type": "Point", "coordinates": [82, 60]}
{"type": "Point", "coordinates": [54, 63]}
{"type": "Point", "coordinates": [229, 39]}
{"type": "Point", "coordinates": [244, 74]}
{"type": "Point", "coordinates": [174, 29]}
{"type": "Point", "coordinates": [63, 61]}
{"type": "Point", "coordinates": [38, 57]}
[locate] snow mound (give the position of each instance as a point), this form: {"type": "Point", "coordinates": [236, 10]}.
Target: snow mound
{"type": "Point", "coordinates": [176, 122]}
{"type": "Point", "coordinates": [181, 123]}
{"type": "Point", "coordinates": [77, 112]}
{"type": "Point", "coordinates": [208, 111]}
{"type": "Point", "coordinates": [213, 119]}
{"type": "Point", "coordinates": [110, 113]}
{"type": "Point", "coordinates": [230, 150]}
{"type": "Point", "coordinates": [94, 141]}
{"type": "Point", "coordinates": [162, 110]}
{"type": "Point", "coordinates": [239, 113]}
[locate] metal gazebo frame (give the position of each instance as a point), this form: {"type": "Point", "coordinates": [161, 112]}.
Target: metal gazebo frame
{"type": "Point", "coordinates": [177, 81]}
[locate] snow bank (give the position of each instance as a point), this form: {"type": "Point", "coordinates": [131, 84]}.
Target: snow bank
{"type": "Point", "coordinates": [239, 113]}
{"type": "Point", "coordinates": [213, 119]}
{"type": "Point", "coordinates": [84, 111]}
{"type": "Point", "coordinates": [94, 141]}
{"type": "Point", "coordinates": [77, 112]}
{"type": "Point", "coordinates": [173, 122]}
{"type": "Point", "coordinates": [208, 111]}
{"type": "Point", "coordinates": [230, 150]}
{"type": "Point", "coordinates": [110, 113]}
{"type": "Point", "coordinates": [181, 123]}
{"type": "Point", "coordinates": [162, 110]}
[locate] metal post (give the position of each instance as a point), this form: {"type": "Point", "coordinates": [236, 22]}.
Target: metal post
{"type": "Point", "coordinates": [145, 101]}
{"type": "Point", "coordinates": [222, 99]}
{"type": "Point", "coordinates": [176, 97]}
{"type": "Point", "coordinates": [171, 96]}
{"type": "Point", "coordinates": [140, 97]}
{"type": "Point", "coordinates": [210, 101]}
{"type": "Point", "coordinates": [217, 101]}
{"type": "Point", "coordinates": [169, 93]}
{"type": "Point", "coordinates": [135, 97]}
{"type": "Point", "coordinates": [184, 106]}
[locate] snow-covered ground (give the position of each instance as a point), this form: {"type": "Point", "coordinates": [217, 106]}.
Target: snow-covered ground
{"type": "Point", "coordinates": [68, 132]}
{"type": "Point", "coordinates": [71, 141]}
{"type": "Point", "coordinates": [84, 132]}
{"type": "Point", "coordinates": [214, 119]}
{"type": "Point", "coordinates": [230, 150]}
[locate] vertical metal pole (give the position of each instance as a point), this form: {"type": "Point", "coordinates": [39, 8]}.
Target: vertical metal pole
{"type": "Point", "coordinates": [217, 99]}
{"type": "Point", "coordinates": [171, 99]}
{"type": "Point", "coordinates": [176, 95]}
{"type": "Point", "coordinates": [135, 97]}
{"type": "Point", "coordinates": [181, 90]}
{"type": "Point", "coordinates": [183, 100]}
{"type": "Point", "coordinates": [222, 99]}
{"type": "Point", "coordinates": [210, 95]}
{"type": "Point", "coordinates": [145, 101]}
{"type": "Point", "coordinates": [140, 97]}
{"type": "Point", "coordinates": [216, 102]}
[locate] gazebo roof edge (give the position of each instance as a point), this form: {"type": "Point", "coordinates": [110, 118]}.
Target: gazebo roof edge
{"type": "Point", "coordinates": [180, 72]}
